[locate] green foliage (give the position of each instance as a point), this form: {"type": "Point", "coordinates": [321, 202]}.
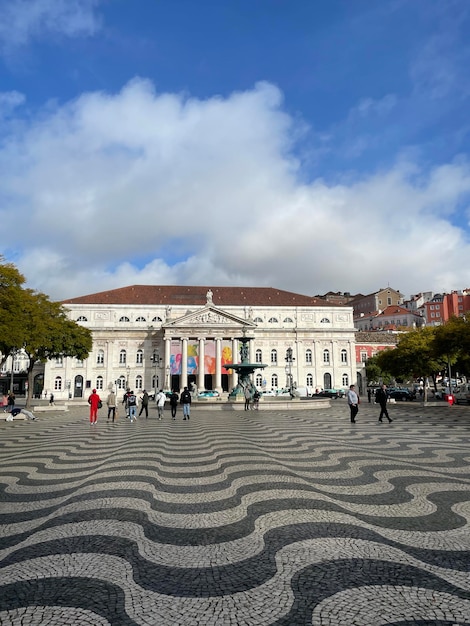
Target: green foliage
{"type": "Point", "coordinates": [452, 341]}
{"type": "Point", "coordinates": [30, 320]}
{"type": "Point", "coordinates": [11, 282]}
{"type": "Point", "coordinates": [374, 373]}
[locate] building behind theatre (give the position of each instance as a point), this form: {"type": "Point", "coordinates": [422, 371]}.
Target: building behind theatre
{"type": "Point", "coordinates": [148, 337]}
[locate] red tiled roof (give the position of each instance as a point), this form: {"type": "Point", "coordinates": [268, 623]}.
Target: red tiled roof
{"type": "Point", "coordinates": [190, 295]}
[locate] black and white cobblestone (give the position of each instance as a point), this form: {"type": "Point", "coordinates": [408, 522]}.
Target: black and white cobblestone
{"type": "Point", "coordinates": [265, 518]}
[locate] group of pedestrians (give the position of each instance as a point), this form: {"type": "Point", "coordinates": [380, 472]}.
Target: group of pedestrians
{"type": "Point", "coordinates": [381, 398]}
{"type": "Point", "coordinates": [130, 404]}
{"type": "Point", "coordinates": [251, 399]}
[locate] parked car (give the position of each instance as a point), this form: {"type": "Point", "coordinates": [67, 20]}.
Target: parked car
{"type": "Point", "coordinates": [209, 393]}
{"type": "Point", "coordinates": [330, 393]}
{"type": "Point", "coordinates": [401, 393]}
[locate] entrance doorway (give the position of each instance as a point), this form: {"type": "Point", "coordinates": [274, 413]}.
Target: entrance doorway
{"type": "Point", "coordinates": [78, 387]}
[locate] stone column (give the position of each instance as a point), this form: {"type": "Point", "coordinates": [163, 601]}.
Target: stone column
{"type": "Point", "coordinates": [201, 370]}
{"type": "Point", "coordinates": [184, 363]}
{"type": "Point", "coordinates": [166, 363]}
{"type": "Point", "coordinates": [218, 365]}
{"type": "Point", "coordinates": [234, 360]}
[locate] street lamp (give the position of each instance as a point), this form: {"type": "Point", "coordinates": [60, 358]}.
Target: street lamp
{"type": "Point", "coordinates": [289, 360]}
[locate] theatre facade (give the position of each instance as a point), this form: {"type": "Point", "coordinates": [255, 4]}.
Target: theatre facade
{"type": "Point", "coordinates": [151, 337]}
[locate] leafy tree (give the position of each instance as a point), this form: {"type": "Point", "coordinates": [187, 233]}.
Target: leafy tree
{"type": "Point", "coordinates": [452, 342]}
{"type": "Point", "coordinates": [11, 282]}
{"type": "Point", "coordinates": [374, 372]}
{"type": "Point", "coordinates": [31, 321]}
{"type": "Point", "coordinates": [414, 357]}
{"type": "Point", "coordinates": [48, 333]}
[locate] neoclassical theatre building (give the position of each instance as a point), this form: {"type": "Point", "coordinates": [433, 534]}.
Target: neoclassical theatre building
{"type": "Point", "coordinates": [148, 337]}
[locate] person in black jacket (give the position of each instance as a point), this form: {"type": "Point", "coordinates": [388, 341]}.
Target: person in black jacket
{"type": "Point", "coordinates": [186, 402]}
{"type": "Point", "coordinates": [381, 398]}
{"type": "Point", "coordinates": [174, 403]}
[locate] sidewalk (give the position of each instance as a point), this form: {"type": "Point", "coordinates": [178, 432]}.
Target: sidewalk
{"type": "Point", "coordinates": [246, 519]}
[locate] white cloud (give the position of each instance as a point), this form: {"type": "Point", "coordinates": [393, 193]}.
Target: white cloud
{"type": "Point", "coordinates": [140, 187]}
{"type": "Point", "coordinates": [24, 20]}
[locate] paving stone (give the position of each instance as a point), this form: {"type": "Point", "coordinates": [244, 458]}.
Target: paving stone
{"type": "Point", "coordinates": [237, 519]}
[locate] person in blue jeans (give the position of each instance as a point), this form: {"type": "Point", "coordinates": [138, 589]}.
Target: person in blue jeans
{"type": "Point", "coordinates": [132, 406]}
{"type": "Point", "coordinates": [186, 402]}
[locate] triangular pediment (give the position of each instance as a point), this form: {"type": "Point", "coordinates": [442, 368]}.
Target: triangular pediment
{"type": "Point", "coordinates": [210, 316]}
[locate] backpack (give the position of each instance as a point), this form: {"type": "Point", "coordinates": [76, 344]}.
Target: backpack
{"type": "Point", "coordinates": [131, 400]}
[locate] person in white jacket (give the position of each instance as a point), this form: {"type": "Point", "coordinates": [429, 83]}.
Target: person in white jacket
{"type": "Point", "coordinates": [161, 399]}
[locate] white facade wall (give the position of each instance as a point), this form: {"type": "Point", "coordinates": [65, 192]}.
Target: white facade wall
{"type": "Point", "coordinates": [326, 331]}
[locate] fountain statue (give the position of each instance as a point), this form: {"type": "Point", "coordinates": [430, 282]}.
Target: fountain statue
{"type": "Point", "coordinates": [243, 369]}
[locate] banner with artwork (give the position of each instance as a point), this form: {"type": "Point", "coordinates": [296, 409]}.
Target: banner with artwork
{"type": "Point", "coordinates": [176, 357]}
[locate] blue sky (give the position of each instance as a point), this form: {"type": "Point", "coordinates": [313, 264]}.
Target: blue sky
{"type": "Point", "coordinates": [305, 145]}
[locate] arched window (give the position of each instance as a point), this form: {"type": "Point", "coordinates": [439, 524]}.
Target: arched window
{"type": "Point", "coordinates": [326, 355]}
{"type": "Point", "coordinates": [288, 320]}
{"type": "Point", "coordinates": [82, 318]}
{"type": "Point", "coordinates": [139, 357]}
{"type": "Point", "coordinates": [345, 380]}
{"type": "Point", "coordinates": [308, 356]}
{"type": "Point", "coordinates": [100, 357]}
{"type": "Point", "coordinates": [309, 380]}
{"type": "Point", "coordinates": [325, 320]}
{"type": "Point", "coordinates": [124, 319]}
{"type": "Point", "coordinates": [157, 319]}
{"type": "Point", "coordinates": [99, 382]}
{"type": "Point", "coordinates": [344, 356]}
{"type": "Point", "coordinates": [258, 356]}
{"type": "Point", "coordinates": [274, 381]}
{"type": "Point", "coordinates": [121, 382]}
{"type": "Point", "coordinates": [155, 384]}
{"type": "Point", "coordinates": [138, 382]}
{"type": "Point", "coordinates": [122, 357]}
{"type": "Point", "coordinates": [258, 320]}
{"type": "Point", "coordinates": [274, 356]}
{"type": "Point", "coordinates": [259, 380]}
{"type": "Point", "coordinates": [58, 383]}
{"type": "Point", "coordinates": [141, 319]}
{"type": "Point", "coordinates": [273, 320]}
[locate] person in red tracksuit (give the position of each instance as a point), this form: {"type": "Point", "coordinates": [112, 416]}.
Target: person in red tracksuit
{"type": "Point", "coordinates": [93, 401]}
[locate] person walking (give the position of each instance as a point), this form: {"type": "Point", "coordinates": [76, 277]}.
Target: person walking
{"type": "Point", "coordinates": [111, 402]}
{"type": "Point", "coordinates": [256, 397]}
{"type": "Point", "coordinates": [353, 402]}
{"type": "Point", "coordinates": [247, 398]}
{"type": "Point", "coordinates": [51, 399]}
{"type": "Point", "coordinates": [174, 404]}
{"type": "Point", "coordinates": [11, 401]}
{"type": "Point", "coordinates": [124, 401]}
{"type": "Point", "coordinates": [132, 406]}
{"type": "Point", "coordinates": [145, 404]}
{"type": "Point", "coordinates": [369, 395]}
{"type": "Point", "coordinates": [94, 401]}
{"type": "Point", "coordinates": [161, 399]}
{"type": "Point", "coordinates": [186, 402]}
{"type": "Point", "coordinates": [381, 397]}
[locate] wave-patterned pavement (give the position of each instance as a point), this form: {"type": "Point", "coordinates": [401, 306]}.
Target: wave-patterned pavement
{"type": "Point", "coordinates": [246, 519]}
